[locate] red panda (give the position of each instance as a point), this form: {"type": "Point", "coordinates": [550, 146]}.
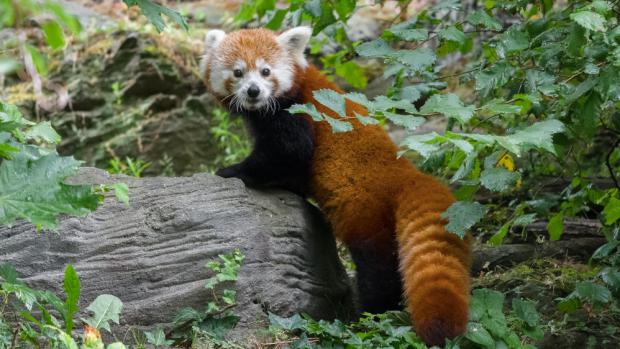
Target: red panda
{"type": "Point", "coordinates": [384, 209]}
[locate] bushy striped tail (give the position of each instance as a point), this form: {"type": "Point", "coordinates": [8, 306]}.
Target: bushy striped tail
{"type": "Point", "coordinates": [434, 263]}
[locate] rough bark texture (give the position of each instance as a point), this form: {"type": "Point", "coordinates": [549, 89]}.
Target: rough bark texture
{"type": "Point", "coordinates": [152, 254]}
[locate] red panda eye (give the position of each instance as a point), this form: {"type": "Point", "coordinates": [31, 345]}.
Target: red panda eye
{"type": "Point", "coordinates": [238, 73]}
{"type": "Point", "coordinates": [265, 71]}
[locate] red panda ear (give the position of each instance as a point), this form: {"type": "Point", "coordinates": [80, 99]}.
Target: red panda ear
{"type": "Point", "coordinates": [213, 39]}
{"type": "Point", "coordinates": [294, 41]}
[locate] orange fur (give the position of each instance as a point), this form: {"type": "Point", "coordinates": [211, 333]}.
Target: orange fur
{"type": "Point", "coordinates": [369, 194]}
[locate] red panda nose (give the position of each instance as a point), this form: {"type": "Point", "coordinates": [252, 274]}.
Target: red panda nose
{"type": "Point", "coordinates": [253, 91]}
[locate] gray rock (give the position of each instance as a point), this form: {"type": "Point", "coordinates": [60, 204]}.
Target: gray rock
{"type": "Point", "coordinates": [152, 254]}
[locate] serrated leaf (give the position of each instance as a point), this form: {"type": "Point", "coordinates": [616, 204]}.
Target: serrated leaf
{"type": "Point", "coordinates": [450, 105]}
{"type": "Point", "coordinates": [383, 103]}
{"type": "Point", "coordinates": [34, 190]}
{"type": "Point", "coordinates": [416, 60]}
{"type": "Point", "coordinates": [229, 296]}
{"type": "Point", "coordinates": [524, 220]}
{"type": "Point", "coordinates": [25, 294]}
{"type": "Point", "coordinates": [555, 227]}
{"type": "Point", "coordinates": [154, 12]}
{"type": "Point", "coordinates": [157, 337]}
{"type": "Point", "coordinates": [332, 100]}
{"type": "Point", "coordinates": [483, 19]}
{"type": "Point", "coordinates": [410, 34]}
{"type": "Point", "coordinates": [490, 79]}
{"type": "Point", "coordinates": [71, 284]}
{"type": "Point", "coordinates": [42, 132]}
{"type": "Point", "coordinates": [366, 120]}
{"type": "Point", "coordinates": [462, 215]}
{"type": "Point", "coordinates": [498, 106]}
{"type": "Point", "coordinates": [452, 33]}
{"type": "Point", "coordinates": [498, 179]}
{"type": "Point", "coordinates": [307, 108]}
{"type": "Point", "coordinates": [338, 126]}
{"type": "Point", "coordinates": [8, 273]}
{"type": "Point", "coordinates": [589, 20]}
{"type": "Point", "coordinates": [358, 98]}
{"type": "Point", "coordinates": [409, 122]}
{"type": "Point", "coordinates": [374, 49]}
{"type": "Point", "coordinates": [419, 145]}
{"type": "Point", "coordinates": [513, 40]}
{"type": "Point", "coordinates": [105, 308]}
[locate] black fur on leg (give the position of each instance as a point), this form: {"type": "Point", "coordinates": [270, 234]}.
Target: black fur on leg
{"type": "Point", "coordinates": [378, 281]}
{"type": "Point", "coordinates": [283, 149]}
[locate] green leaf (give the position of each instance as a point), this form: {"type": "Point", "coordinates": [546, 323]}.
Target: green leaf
{"type": "Point", "coordinates": [157, 337]}
{"type": "Point", "coordinates": [54, 34]}
{"type": "Point", "coordinates": [121, 191]}
{"type": "Point", "coordinates": [366, 120]}
{"type": "Point", "coordinates": [452, 33]}
{"type": "Point", "coordinates": [490, 79]}
{"type": "Point", "coordinates": [498, 179]}
{"type": "Point", "coordinates": [478, 334]}
{"type": "Point", "coordinates": [498, 237]}
{"type": "Point", "coordinates": [593, 293]}
{"type": "Point", "coordinates": [418, 144]}
{"type": "Point", "coordinates": [105, 308]}
{"type": "Point", "coordinates": [410, 34]}
{"type": "Point", "coordinates": [513, 40]}
{"type": "Point", "coordinates": [276, 20]}
{"type": "Point", "coordinates": [25, 294]}
{"type": "Point", "coordinates": [450, 105]}
{"type": "Point", "coordinates": [116, 345]}
{"type": "Point", "coordinates": [409, 122]}
{"type": "Point", "coordinates": [498, 106]}
{"type": "Point", "coordinates": [42, 132]}
{"type": "Point", "coordinates": [8, 65]}
{"type": "Point", "coordinates": [416, 60]}
{"type": "Point", "coordinates": [353, 73]}
{"type": "Point", "coordinates": [555, 227]}
{"type": "Point", "coordinates": [8, 273]}
{"type": "Point", "coordinates": [524, 220]}
{"type": "Point", "coordinates": [526, 311]}
{"type": "Point", "coordinates": [462, 215]}
{"type": "Point", "coordinates": [153, 12]}
{"type": "Point", "coordinates": [72, 289]}
{"type": "Point", "coordinates": [332, 100]}
{"type": "Point", "coordinates": [33, 189]}
{"type": "Point", "coordinates": [538, 135]}
{"type": "Point", "coordinates": [338, 126]}
{"type": "Point", "coordinates": [589, 20]}
{"type": "Point", "coordinates": [374, 49]}
{"type": "Point", "coordinates": [483, 19]}
{"type": "Point", "coordinates": [307, 108]}
{"type": "Point", "coordinates": [229, 296]}
{"type": "Point", "coordinates": [612, 211]}
{"type": "Point", "coordinates": [39, 61]}
{"type": "Point", "coordinates": [294, 322]}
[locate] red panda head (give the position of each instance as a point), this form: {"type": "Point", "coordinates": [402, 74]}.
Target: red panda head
{"type": "Point", "coordinates": [248, 69]}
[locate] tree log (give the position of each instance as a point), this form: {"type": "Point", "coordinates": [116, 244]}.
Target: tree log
{"type": "Point", "coordinates": [152, 254]}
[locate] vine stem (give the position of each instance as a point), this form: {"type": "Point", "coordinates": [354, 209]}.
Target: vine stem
{"type": "Point", "coordinates": [608, 163]}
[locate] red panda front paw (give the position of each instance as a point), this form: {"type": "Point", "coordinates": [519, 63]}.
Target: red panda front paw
{"type": "Point", "coordinates": [228, 172]}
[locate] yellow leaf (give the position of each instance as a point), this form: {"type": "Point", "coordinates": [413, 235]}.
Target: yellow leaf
{"type": "Point", "coordinates": [507, 162]}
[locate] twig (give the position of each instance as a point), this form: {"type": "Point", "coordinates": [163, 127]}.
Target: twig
{"type": "Point", "coordinates": [608, 163]}
{"type": "Point", "coordinates": [14, 340]}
